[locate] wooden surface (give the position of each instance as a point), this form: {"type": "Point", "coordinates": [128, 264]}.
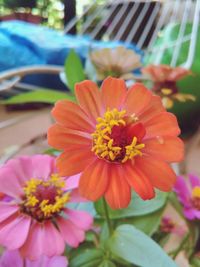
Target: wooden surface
{"type": "Point", "coordinates": [24, 131]}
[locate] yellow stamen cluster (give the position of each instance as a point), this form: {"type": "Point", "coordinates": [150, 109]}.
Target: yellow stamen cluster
{"type": "Point", "coordinates": [103, 142]}
{"type": "Point", "coordinates": [166, 91]}
{"type": "Point", "coordinates": [133, 150]}
{"type": "Point", "coordinates": [42, 207]}
{"type": "Point", "coordinates": [196, 192]}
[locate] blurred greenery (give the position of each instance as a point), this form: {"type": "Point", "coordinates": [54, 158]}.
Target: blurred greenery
{"type": "Point", "coordinates": [51, 11]}
{"type": "Point", "coordinates": [43, 96]}
{"type": "Point", "coordinates": [137, 207]}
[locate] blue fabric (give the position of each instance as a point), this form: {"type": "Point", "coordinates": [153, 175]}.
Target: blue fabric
{"type": "Point", "coordinates": [23, 44]}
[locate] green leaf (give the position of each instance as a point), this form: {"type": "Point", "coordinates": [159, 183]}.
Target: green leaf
{"type": "Point", "coordinates": [73, 70]}
{"type": "Point", "coordinates": [148, 223]}
{"type": "Point", "coordinates": [195, 262]}
{"type": "Point", "coordinates": [86, 206]}
{"type": "Point", "coordinates": [90, 258]}
{"type": "Point", "coordinates": [136, 247]}
{"type": "Point", "coordinates": [43, 96]}
{"type": "Point", "coordinates": [104, 234]}
{"type": "Point", "coordinates": [137, 207]}
{"type": "Point", "coordinates": [107, 263]}
{"type": "Point", "coordinates": [52, 152]}
{"type": "Point", "coordinates": [176, 204]}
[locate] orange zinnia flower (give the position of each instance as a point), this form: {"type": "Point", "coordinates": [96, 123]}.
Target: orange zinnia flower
{"type": "Point", "coordinates": [164, 80]}
{"type": "Point", "coordinates": [119, 139]}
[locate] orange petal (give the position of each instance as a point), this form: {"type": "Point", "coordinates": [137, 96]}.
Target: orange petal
{"type": "Point", "coordinates": [94, 180]}
{"type": "Point", "coordinates": [118, 194]}
{"type": "Point", "coordinates": [162, 124]}
{"type": "Point", "coordinates": [61, 138]}
{"type": "Point", "coordinates": [167, 148]}
{"type": "Point", "coordinates": [158, 172]}
{"type": "Point", "coordinates": [72, 116]}
{"type": "Point", "coordinates": [113, 92]}
{"type": "Point", "coordinates": [137, 99]}
{"type": "Point", "coordinates": [74, 161]}
{"type": "Point", "coordinates": [89, 98]}
{"type": "Point", "coordinates": [178, 73]}
{"type": "Point", "coordinates": [158, 73]}
{"type": "Point", "coordinates": [139, 182]}
{"type": "Point", "coordinates": [155, 107]}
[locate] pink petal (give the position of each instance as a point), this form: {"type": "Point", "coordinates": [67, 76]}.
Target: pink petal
{"type": "Point", "coordinates": [43, 166]}
{"type": "Point", "coordinates": [72, 182]}
{"type": "Point", "coordinates": [189, 214]}
{"type": "Point", "coordinates": [75, 197]}
{"type": "Point", "coordinates": [58, 261]}
{"type": "Point", "coordinates": [14, 231]}
{"type": "Point", "coordinates": [197, 214]}
{"type": "Point", "coordinates": [18, 168]}
{"type": "Point", "coordinates": [81, 219]}
{"type": "Point", "coordinates": [41, 235]}
{"type": "Point", "coordinates": [37, 166]}
{"type": "Point", "coordinates": [182, 190]}
{"type": "Point", "coordinates": [6, 210]}
{"type": "Point", "coordinates": [11, 259]}
{"type": "Point", "coordinates": [70, 232]}
{"type": "Point", "coordinates": [9, 183]}
{"type": "Point", "coordinates": [54, 240]}
{"type": "Point", "coordinates": [33, 247]}
{"type": "Point", "coordinates": [194, 180]}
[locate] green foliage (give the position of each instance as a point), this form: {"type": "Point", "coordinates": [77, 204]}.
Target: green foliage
{"type": "Point", "coordinates": [135, 247]}
{"type": "Point", "coordinates": [42, 96]}
{"type": "Point", "coordinates": [88, 258]}
{"type": "Point", "coordinates": [86, 206]}
{"type": "Point", "coordinates": [107, 263]}
{"type": "Point", "coordinates": [52, 152]}
{"type": "Point", "coordinates": [149, 223]}
{"type": "Point", "coordinates": [74, 70]}
{"type": "Point", "coordinates": [137, 207]}
{"type": "Point", "coordinates": [19, 3]}
{"type": "Point", "coordinates": [195, 262]}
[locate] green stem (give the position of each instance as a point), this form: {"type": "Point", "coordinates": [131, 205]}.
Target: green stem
{"type": "Point", "coordinates": [108, 221]}
{"type": "Point", "coordinates": [180, 248]}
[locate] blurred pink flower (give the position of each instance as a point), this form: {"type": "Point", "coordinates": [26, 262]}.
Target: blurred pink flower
{"type": "Point", "coordinates": [35, 219]}
{"type": "Point", "coordinates": [189, 195]}
{"type": "Point", "coordinates": [169, 225]}
{"type": "Point", "coordinates": [13, 259]}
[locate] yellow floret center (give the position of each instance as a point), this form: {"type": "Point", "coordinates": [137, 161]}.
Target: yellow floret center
{"type": "Point", "coordinates": [196, 192]}
{"type": "Point", "coordinates": [44, 198]}
{"type": "Point", "coordinates": [104, 144]}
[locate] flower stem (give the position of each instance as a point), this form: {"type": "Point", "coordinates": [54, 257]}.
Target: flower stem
{"type": "Point", "coordinates": [181, 247]}
{"type": "Point", "coordinates": [108, 221]}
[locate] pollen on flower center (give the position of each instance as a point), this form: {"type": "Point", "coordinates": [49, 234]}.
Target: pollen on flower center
{"type": "Point", "coordinates": [196, 197]}
{"type": "Point", "coordinates": [112, 139]}
{"type": "Point", "coordinates": [44, 199]}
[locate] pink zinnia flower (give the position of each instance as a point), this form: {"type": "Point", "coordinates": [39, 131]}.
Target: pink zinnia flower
{"type": "Point", "coordinates": [34, 218]}
{"type": "Point", "coordinates": [13, 259]}
{"type": "Point", "coordinates": [169, 225]}
{"type": "Point", "coordinates": [189, 195]}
